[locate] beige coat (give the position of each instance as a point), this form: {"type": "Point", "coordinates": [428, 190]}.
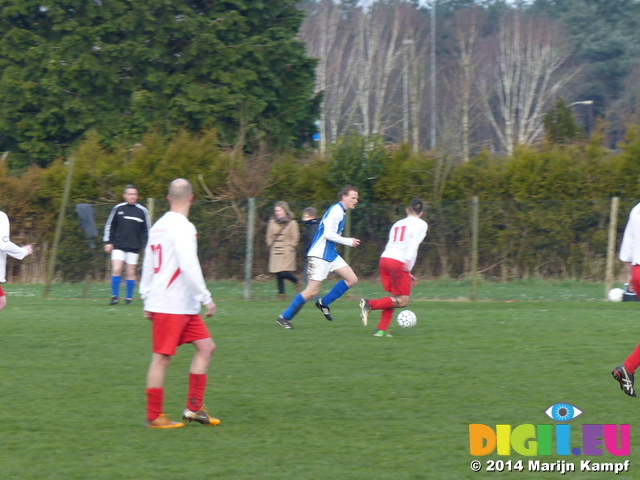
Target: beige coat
{"type": "Point", "coordinates": [282, 240]}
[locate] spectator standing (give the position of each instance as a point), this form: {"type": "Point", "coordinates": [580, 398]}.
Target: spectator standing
{"type": "Point", "coordinates": [283, 236]}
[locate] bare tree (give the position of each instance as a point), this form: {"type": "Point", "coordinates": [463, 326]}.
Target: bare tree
{"type": "Point", "coordinates": [329, 36]}
{"type": "Point", "coordinates": [319, 32]}
{"type": "Point", "coordinates": [523, 76]}
{"type": "Point", "coordinates": [378, 52]}
{"type": "Point", "coordinates": [415, 64]}
{"type": "Point", "coordinates": [468, 24]}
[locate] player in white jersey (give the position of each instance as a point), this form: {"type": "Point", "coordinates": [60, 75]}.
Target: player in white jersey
{"type": "Point", "coordinates": [396, 263]}
{"type": "Point", "coordinates": [324, 259]}
{"type": "Point", "coordinates": [630, 254]}
{"type": "Point", "coordinates": [7, 247]}
{"type": "Point", "coordinates": [173, 290]}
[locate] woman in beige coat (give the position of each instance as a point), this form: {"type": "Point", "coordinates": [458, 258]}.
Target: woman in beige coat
{"type": "Point", "coordinates": [283, 236]}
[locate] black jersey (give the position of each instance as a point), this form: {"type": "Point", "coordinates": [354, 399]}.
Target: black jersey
{"type": "Point", "coordinates": [127, 227]}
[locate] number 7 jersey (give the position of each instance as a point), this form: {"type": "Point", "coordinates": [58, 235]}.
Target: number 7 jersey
{"type": "Point", "coordinates": [405, 237]}
{"type": "Point", "coordinates": [172, 280]}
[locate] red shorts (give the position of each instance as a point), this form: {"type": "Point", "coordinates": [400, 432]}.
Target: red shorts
{"type": "Point", "coordinates": [394, 277]}
{"type": "Point", "coordinates": [170, 330]}
{"type": "Point", "coordinates": [1, 292]}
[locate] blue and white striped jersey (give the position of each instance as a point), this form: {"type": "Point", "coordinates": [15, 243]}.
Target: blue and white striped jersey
{"type": "Point", "coordinates": [329, 233]}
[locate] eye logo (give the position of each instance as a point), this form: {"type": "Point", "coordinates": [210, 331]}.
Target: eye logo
{"type": "Point", "coordinates": [562, 412]}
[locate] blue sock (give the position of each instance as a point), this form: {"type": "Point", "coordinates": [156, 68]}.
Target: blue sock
{"type": "Point", "coordinates": [130, 285]}
{"type": "Point", "coordinates": [115, 286]}
{"type": "Point", "coordinates": [335, 293]}
{"type": "Point", "coordinates": [294, 307]}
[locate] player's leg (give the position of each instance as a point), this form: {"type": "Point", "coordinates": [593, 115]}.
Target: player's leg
{"type": "Point", "coordinates": [198, 373]}
{"type": "Point", "coordinates": [131, 262]}
{"type": "Point", "coordinates": [196, 333]}
{"type": "Point", "coordinates": [305, 275]}
{"type": "Point", "coordinates": [365, 304]}
{"type": "Point", "coordinates": [349, 279]}
{"type": "Point", "coordinates": [624, 373]}
{"type": "Point", "coordinates": [311, 290]}
{"type": "Point", "coordinates": [131, 282]}
{"type": "Point", "coordinates": [166, 330]}
{"type": "Point", "coordinates": [3, 299]}
{"type": "Point", "coordinates": [318, 270]}
{"type": "Point", "coordinates": [117, 263]}
{"type": "Point", "coordinates": [155, 393]}
{"type": "Point", "coordinates": [382, 330]}
{"type": "Point", "coordinates": [395, 280]}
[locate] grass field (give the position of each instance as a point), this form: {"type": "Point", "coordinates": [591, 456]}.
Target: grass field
{"type": "Point", "coordinates": [323, 401]}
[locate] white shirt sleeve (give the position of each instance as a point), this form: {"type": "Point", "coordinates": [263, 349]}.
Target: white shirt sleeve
{"type": "Point", "coordinates": [147, 273]}
{"type": "Point", "coordinates": [189, 263]}
{"type": "Point", "coordinates": [6, 245]}
{"type": "Point", "coordinates": [630, 240]}
{"type": "Point", "coordinates": [331, 225]}
{"type": "Point", "coordinates": [416, 237]}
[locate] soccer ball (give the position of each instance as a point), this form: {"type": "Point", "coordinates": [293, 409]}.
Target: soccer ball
{"type": "Point", "coordinates": [615, 295]}
{"type": "Point", "coordinates": [406, 319]}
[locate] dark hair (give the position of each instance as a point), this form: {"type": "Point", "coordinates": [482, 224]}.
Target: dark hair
{"type": "Point", "coordinates": [128, 187]}
{"type": "Point", "coordinates": [312, 212]}
{"type": "Point", "coordinates": [415, 206]}
{"type": "Point", "coordinates": [346, 190]}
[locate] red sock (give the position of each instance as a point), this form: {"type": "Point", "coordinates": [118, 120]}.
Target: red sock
{"type": "Point", "coordinates": [633, 361]}
{"type": "Point", "coordinates": [197, 384]}
{"type": "Point", "coordinates": [385, 319]}
{"type": "Point", "coordinates": [155, 398]}
{"type": "Point", "coordinates": [381, 303]}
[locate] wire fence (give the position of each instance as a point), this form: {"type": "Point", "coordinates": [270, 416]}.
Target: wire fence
{"type": "Point", "coordinates": [516, 240]}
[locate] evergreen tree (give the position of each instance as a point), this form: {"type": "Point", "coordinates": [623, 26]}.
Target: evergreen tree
{"type": "Point", "coordinates": [606, 42]}
{"type": "Point", "coordinates": [560, 124]}
{"type": "Point", "coordinates": [124, 67]}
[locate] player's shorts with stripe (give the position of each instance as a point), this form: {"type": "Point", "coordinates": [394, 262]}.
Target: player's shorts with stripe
{"type": "Point", "coordinates": [170, 330]}
{"type": "Point", "coordinates": [319, 269]}
{"type": "Point", "coordinates": [127, 257]}
{"type": "Point", "coordinates": [394, 277]}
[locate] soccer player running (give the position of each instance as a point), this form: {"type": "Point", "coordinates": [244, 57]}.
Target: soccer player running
{"type": "Point", "coordinates": [630, 254]}
{"type": "Point", "coordinates": [124, 235]}
{"type": "Point", "coordinates": [7, 247]}
{"type": "Point", "coordinates": [323, 259]}
{"type": "Point", "coordinates": [396, 263]}
{"type": "Point", "coordinates": [173, 289]}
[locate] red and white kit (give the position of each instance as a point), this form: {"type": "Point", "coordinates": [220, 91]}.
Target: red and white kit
{"type": "Point", "coordinates": [7, 247]}
{"type": "Point", "coordinates": [405, 238]}
{"type": "Point", "coordinates": [172, 280]}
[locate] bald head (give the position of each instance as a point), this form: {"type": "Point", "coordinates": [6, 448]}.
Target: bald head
{"type": "Point", "coordinates": [180, 196]}
{"type": "Point", "coordinates": [180, 189]}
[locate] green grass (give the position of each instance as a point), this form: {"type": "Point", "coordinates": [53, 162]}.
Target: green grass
{"type": "Point", "coordinates": [323, 401]}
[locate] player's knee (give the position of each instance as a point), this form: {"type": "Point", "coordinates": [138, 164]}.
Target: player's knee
{"type": "Point", "coordinates": [351, 280]}
{"type": "Point", "coordinates": [310, 291]}
{"type": "Point", "coordinates": [3, 302]}
{"type": "Point", "coordinates": [403, 301]}
{"type": "Point", "coordinates": [161, 361]}
{"type": "Point", "coordinates": [207, 348]}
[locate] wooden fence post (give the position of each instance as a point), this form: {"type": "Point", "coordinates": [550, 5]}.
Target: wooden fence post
{"type": "Point", "coordinates": [611, 245]}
